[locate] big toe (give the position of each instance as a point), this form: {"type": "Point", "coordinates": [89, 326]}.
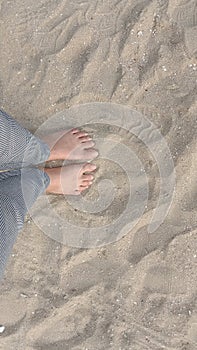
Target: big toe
{"type": "Point", "coordinates": [90, 153]}
{"type": "Point", "coordinates": [88, 167]}
{"type": "Point", "coordinates": [88, 144]}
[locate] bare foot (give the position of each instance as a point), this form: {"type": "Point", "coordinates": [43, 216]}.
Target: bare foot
{"type": "Point", "coordinates": [70, 145]}
{"type": "Point", "coordinates": [70, 179]}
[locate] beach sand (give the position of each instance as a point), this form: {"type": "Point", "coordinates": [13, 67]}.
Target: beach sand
{"type": "Point", "coordinates": [140, 292]}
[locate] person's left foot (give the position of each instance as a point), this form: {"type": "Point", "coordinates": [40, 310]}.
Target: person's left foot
{"type": "Point", "coordinates": [70, 145]}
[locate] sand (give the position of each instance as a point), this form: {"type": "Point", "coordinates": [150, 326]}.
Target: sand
{"type": "Point", "coordinates": [140, 292]}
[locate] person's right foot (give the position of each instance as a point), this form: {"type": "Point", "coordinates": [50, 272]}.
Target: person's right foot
{"type": "Point", "coordinates": [71, 179]}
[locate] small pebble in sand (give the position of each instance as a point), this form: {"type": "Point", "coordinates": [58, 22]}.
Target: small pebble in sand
{"type": "Point", "coordinates": [2, 329]}
{"type": "Point", "coordinates": [139, 33]}
{"type": "Point", "coordinates": [23, 295]}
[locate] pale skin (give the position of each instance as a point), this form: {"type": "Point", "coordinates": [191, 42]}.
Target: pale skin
{"type": "Point", "coordinates": [70, 145]}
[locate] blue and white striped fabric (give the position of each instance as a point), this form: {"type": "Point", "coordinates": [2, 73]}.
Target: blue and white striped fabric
{"type": "Point", "coordinates": [15, 142]}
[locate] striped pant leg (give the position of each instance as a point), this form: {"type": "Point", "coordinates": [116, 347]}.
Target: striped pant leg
{"type": "Point", "coordinates": [13, 206]}
{"type": "Point", "coordinates": [18, 147]}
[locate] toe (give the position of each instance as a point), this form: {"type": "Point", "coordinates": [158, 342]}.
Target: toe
{"type": "Point", "coordinates": [87, 177]}
{"type": "Point", "coordinates": [86, 183]}
{"type": "Point", "coordinates": [81, 189]}
{"type": "Point", "coordinates": [88, 167]}
{"type": "Point", "coordinates": [85, 139]}
{"type": "Point", "coordinates": [81, 134]}
{"type": "Point", "coordinates": [75, 131]}
{"type": "Point", "coordinates": [89, 144]}
{"type": "Point", "coordinates": [90, 153]}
